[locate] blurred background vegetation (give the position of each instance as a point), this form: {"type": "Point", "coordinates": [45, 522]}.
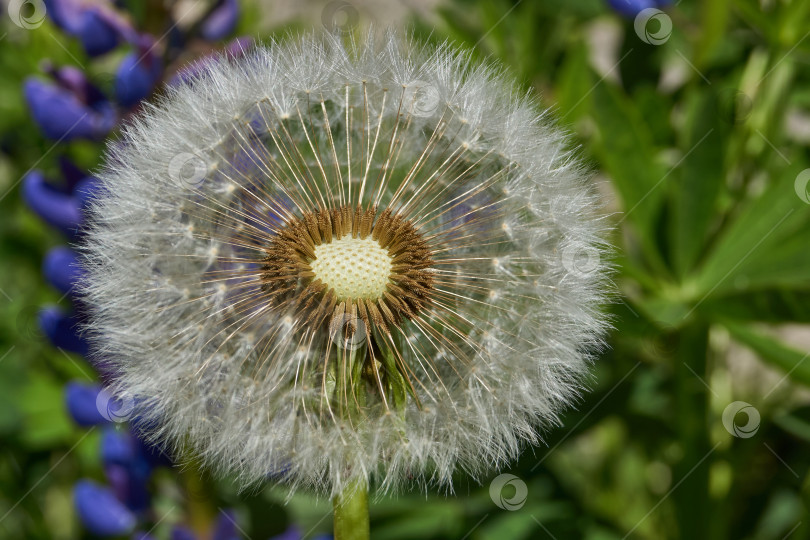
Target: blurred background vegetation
{"type": "Point", "coordinates": [696, 122]}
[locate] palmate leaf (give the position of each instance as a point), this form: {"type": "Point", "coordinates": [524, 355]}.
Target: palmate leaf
{"type": "Point", "coordinates": [714, 17]}
{"type": "Point", "coordinates": [574, 83]}
{"type": "Point", "coordinates": [766, 246]}
{"type": "Point", "coordinates": [626, 152]}
{"type": "Point", "coordinates": [751, 12]}
{"type": "Point", "coordinates": [790, 360]}
{"type": "Point", "coordinates": [699, 180]}
{"type": "Point", "coordinates": [774, 306]}
{"type": "Point", "coordinates": [796, 422]}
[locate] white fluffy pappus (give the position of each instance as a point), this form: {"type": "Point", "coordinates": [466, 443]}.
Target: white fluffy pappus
{"type": "Point", "coordinates": [334, 263]}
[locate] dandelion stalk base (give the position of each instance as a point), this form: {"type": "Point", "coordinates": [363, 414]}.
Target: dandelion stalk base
{"type": "Point", "coordinates": [351, 513]}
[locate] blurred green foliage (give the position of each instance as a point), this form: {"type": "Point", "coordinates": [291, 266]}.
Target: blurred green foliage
{"type": "Point", "coordinates": [697, 143]}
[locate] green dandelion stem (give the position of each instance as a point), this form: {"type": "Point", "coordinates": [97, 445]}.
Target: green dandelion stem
{"type": "Point", "coordinates": [351, 513]}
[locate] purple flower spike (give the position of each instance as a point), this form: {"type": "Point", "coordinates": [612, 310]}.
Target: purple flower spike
{"type": "Point", "coordinates": [64, 113]}
{"type": "Point", "coordinates": [129, 487]}
{"type": "Point", "coordinates": [75, 81]}
{"type": "Point", "coordinates": [153, 455]}
{"type": "Point", "coordinates": [290, 534]}
{"type": "Point", "coordinates": [85, 191]}
{"type": "Point", "coordinates": [117, 447]}
{"type": "Point", "coordinates": [81, 403]}
{"type": "Point", "coordinates": [631, 8]}
{"type": "Point", "coordinates": [71, 173]}
{"type": "Point", "coordinates": [98, 26]}
{"type": "Point", "coordinates": [137, 75]}
{"type": "Point", "coordinates": [99, 510]}
{"type": "Point", "coordinates": [61, 268]}
{"type": "Point", "coordinates": [225, 526]}
{"type": "Point", "coordinates": [62, 330]}
{"type": "Point", "coordinates": [235, 48]}
{"type": "Point", "coordinates": [126, 467]}
{"type": "Point", "coordinates": [57, 208]}
{"type": "Point", "coordinates": [182, 533]}
{"type": "Point", "coordinates": [221, 22]}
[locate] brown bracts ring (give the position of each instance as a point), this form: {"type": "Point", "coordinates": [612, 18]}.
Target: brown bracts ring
{"type": "Point", "coordinates": [333, 263]}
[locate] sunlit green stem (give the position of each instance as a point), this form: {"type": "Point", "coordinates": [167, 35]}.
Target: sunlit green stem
{"type": "Point", "coordinates": [200, 505]}
{"type": "Point", "coordinates": [351, 513]}
{"type": "Point", "coordinates": [351, 505]}
{"type": "Point", "coordinates": [692, 505]}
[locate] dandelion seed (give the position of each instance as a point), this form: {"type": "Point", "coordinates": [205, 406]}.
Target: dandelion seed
{"type": "Point", "coordinates": [357, 278]}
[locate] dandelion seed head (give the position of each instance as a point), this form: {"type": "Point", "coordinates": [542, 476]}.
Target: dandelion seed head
{"type": "Point", "coordinates": [362, 271]}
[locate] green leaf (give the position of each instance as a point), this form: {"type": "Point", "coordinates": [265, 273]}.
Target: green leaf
{"type": "Point", "coordinates": [751, 12]}
{"type": "Point", "coordinates": [796, 422]}
{"type": "Point", "coordinates": [773, 306]}
{"type": "Point", "coordinates": [574, 84]}
{"type": "Point", "coordinates": [665, 312]}
{"type": "Point", "coordinates": [524, 524]}
{"type": "Point", "coordinates": [773, 351]}
{"type": "Point", "coordinates": [700, 179]}
{"type": "Point", "coordinates": [434, 519]}
{"type": "Point", "coordinates": [793, 22]}
{"type": "Point", "coordinates": [765, 246]}
{"type": "Point", "coordinates": [714, 17]}
{"type": "Point", "coordinates": [46, 422]}
{"type": "Point", "coordinates": [626, 153]}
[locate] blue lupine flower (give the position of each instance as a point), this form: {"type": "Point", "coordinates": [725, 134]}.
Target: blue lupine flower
{"type": "Point", "coordinates": [236, 48]}
{"type": "Point", "coordinates": [120, 447]}
{"type": "Point", "coordinates": [631, 8]}
{"type": "Point", "coordinates": [117, 447]}
{"type": "Point", "coordinates": [221, 22]}
{"type": "Point", "coordinates": [130, 486]}
{"type": "Point", "coordinates": [96, 23]}
{"type": "Point", "coordinates": [71, 173]}
{"type": "Point", "coordinates": [70, 107]}
{"type": "Point", "coordinates": [138, 73]}
{"type": "Point", "coordinates": [181, 532]}
{"type": "Point", "coordinates": [100, 511]}
{"type": "Point", "coordinates": [225, 526]}
{"type": "Point", "coordinates": [56, 207]}
{"type": "Point", "coordinates": [62, 330]}
{"type": "Point", "coordinates": [153, 455]}
{"type": "Point", "coordinates": [84, 190]}
{"type": "Point", "coordinates": [80, 399]}
{"type": "Point", "coordinates": [61, 268]}
{"type": "Point", "coordinates": [294, 533]}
